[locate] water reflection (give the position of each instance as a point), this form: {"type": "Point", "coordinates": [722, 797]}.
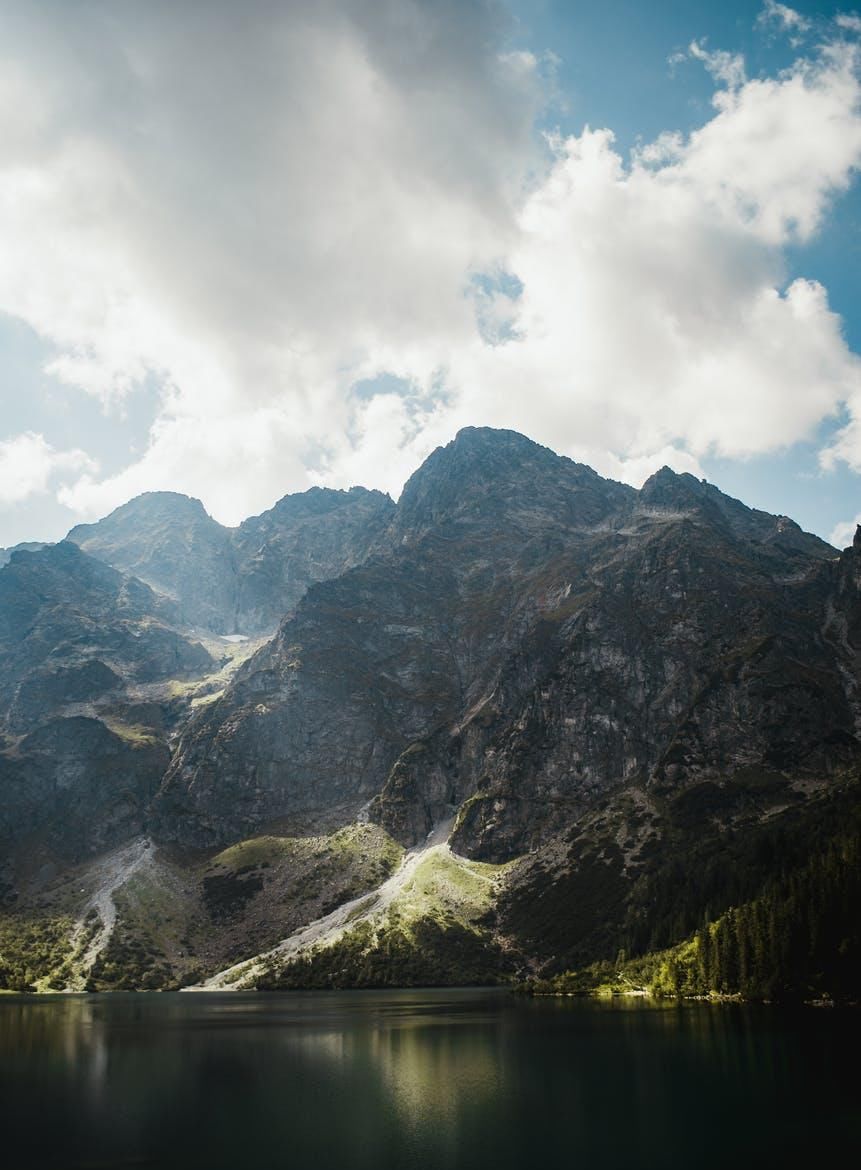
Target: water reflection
{"type": "Point", "coordinates": [406, 1079]}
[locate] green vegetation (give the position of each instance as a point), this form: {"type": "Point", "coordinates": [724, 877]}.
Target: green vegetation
{"type": "Point", "coordinates": [33, 953]}
{"type": "Point", "coordinates": [424, 953]}
{"type": "Point", "coordinates": [178, 924]}
{"type": "Point", "coordinates": [446, 885]}
{"type": "Point", "coordinates": [435, 933]}
{"type": "Point", "coordinates": [358, 842]}
{"type": "Point", "coordinates": [131, 961]}
{"type": "Point", "coordinates": [721, 850]}
{"type": "Point", "coordinates": [737, 889]}
{"type": "Point", "coordinates": [799, 939]}
{"type": "Point", "coordinates": [132, 733]}
{"type": "Point", "coordinates": [692, 856]}
{"type": "Point", "coordinates": [574, 914]}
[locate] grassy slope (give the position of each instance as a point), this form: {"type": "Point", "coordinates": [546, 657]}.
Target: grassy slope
{"type": "Point", "coordinates": [179, 919]}
{"type": "Point", "coordinates": [439, 929]}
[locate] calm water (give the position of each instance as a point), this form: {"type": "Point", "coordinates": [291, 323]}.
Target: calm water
{"type": "Point", "coordinates": [389, 1080]}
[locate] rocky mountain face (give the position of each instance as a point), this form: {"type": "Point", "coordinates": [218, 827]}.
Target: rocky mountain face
{"type": "Point", "coordinates": [237, 580]}
{"type": "Point", "coordinates": [79, 644]}
{"type": "Point", "coordinates": [392, 657]}
{"type": "Point", "coordinates": [591, 714]}
{"type": "Point", "coordinates": [532, 638]}
{"type": "Point", "coordinates": [72, 629]}
{"type": "Point", "coordinates": [26, 546]}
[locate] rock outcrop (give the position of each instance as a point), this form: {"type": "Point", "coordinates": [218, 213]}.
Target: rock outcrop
{"type": "Point", "coordinates": [72, 628]}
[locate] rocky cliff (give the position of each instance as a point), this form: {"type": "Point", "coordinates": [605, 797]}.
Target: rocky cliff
{"type": "Point", "coordinates": [591, 714]}
{"type": "Point", "coordinates": [79, 644]}
{"type": "Point", "coordinates": [531, 638]}
{"type": "Point", "coordinates": [72, 629]}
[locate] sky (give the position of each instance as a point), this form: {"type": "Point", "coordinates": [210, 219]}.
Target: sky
{"type": "Point", "coordinates": [246, 249]}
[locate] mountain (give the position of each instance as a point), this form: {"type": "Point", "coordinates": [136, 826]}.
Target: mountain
{"type": "Point", "coordinates": [525, 720]}
{"type": "Point", "coordinates": [172, 543]}
{"type": "Point", "coordinates": [528, 619]}
{"type": "Point", "coordinates": [79, 644]}
{"type": "Point", "coordinates": [26, 546]}
{"type": "Point", "coordinates": [400, 655]}
{"type": "Point", "coordinates": [240, 580]}
{"type": "Point", "coordinates": [72, 628]}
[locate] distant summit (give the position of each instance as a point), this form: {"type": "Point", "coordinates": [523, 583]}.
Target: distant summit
{"type": "Point", "coordinates": [237, 580]}
{"type": "Point", "coordinates": [26, 546]}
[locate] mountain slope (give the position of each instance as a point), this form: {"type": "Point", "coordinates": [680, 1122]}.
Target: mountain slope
{"type": "Point", "coordinates": [533, 638]}
{"type": "Point", "coordinates": [630, 707]}
{"type": "Point", "coordinates": [389, 658]}
{"type": "Point", "coordinates": [78, 642]}
{"type": "Point", "coordinates": [72, 629]}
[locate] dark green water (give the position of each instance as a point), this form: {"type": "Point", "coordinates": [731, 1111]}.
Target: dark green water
{"type": "Point", "coordinates": [442, 1079]}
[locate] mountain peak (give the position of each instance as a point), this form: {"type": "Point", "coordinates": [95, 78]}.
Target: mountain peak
{"type": "Point", "coordinates": [170, 505]}
{"type": "Point", "coordinates": [316, 501]}
{"type": "Point", "coordinates": [667, 486]}
{"type": "Point", "coordinates": [500, 476]}
{"type": "Point", "coordinates": [683, 492]}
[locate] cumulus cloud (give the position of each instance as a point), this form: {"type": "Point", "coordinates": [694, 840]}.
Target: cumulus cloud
{"type": "Point", "coordinates": [28, 464]}
{"type": "Point", "coordinates": [654, 323]}
{"type": "Point", "coordinates": [328, 233]}
{"type": "Point", "coordinates": [247, 202]}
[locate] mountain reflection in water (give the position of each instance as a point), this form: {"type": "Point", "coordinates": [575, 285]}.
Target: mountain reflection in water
{"type": "Point", "coordinates": [443, 1079]}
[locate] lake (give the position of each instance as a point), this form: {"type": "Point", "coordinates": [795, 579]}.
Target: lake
{"type": "Point", "coordinates": [402, 1079]}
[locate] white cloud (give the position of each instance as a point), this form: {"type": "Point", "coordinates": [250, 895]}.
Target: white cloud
{"type": "Point", "coordinates": [779, 149]}
{"type": "Point", "coordinates": [724, 67]}
{"type": "Point", "coordinates": [248, 205]}
{"type": "Point", "coordinates": [654, 323]}
{"type": "Point", "coordinates": [262, 208]}
{"type": "Point", "coordinates": [787, 19]}
{"type": "Point", "coordinates": [29, 464]}
{"type": "Point", "coordinates": [651, 317]}
{"type": "Point", "coordinates": [844, 533]}
{"type": "Point", "coordinates": [848, 21]}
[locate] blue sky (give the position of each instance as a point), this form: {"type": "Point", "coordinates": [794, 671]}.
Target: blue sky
{"type": "Point", "coordinates": [242, 257]}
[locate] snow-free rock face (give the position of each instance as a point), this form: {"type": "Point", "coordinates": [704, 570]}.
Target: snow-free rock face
{"type": "Point", "coordinates": [531, 638]}
{"type": "Point", "coordinates": [25, 546]}
{"type": "Point", "coordinates": [79, 787]}
{"type": "Point", "coordinates": [95, 643]}
{"type": "Point", "coordinates": [77, 641]}
{"type": "Point", "coordinates": [237, 580]}
{"type": "Point", "coordinates": [312, 536]}
{"type": "Point", "coordinates": [72, 628]}
{"type": "Point", "coordinates": [387, 657]}
{"type": "Point", "coordinates": [170, 542]}
{"type": "Point", "coordinates": [615, 689]}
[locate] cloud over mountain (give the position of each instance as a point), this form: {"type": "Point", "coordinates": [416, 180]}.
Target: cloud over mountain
{"type": "Point", "coordinates": [328, 232]}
